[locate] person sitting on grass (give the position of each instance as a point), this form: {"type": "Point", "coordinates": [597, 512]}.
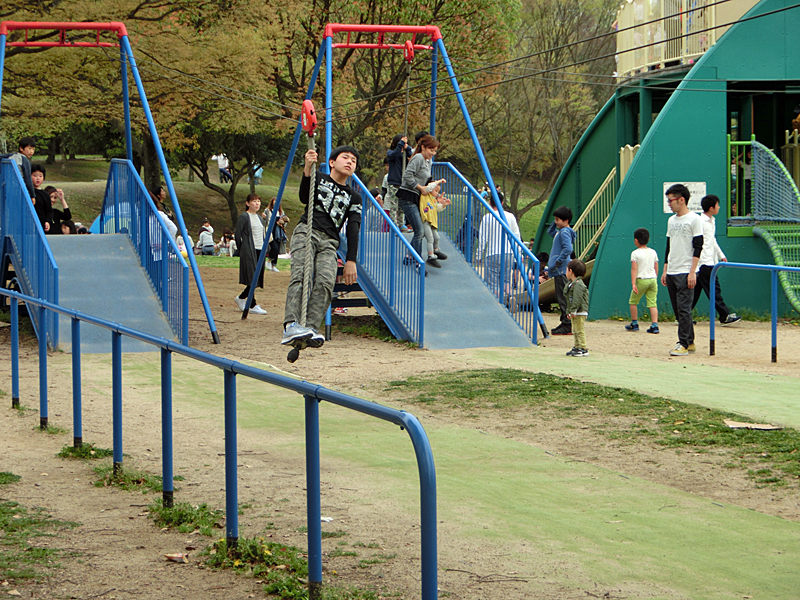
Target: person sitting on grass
{"type": "Point", "coordinates": [577, 305]}
{"type": "Point", "coordinates": [644, 281]}
{"type": "Point", "coordinates": [334, 203]}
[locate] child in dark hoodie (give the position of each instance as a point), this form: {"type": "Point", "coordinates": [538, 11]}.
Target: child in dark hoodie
{"type": "Point", "coordinates": [563, 240]}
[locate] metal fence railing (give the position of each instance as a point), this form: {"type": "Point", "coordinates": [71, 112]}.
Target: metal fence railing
{"type": "Point", "coordinates": [34, 265]}
{"type": "Point", "coordinates": [313, 395]}
{"type": "Point", "coordinates": [129, 209]}
{"type": "Point", "coordinates": [775, 272]}
{"type": "Point", "coordinates": [501, 260]}
{"type": "Point", "coordinates": [590, 225]}
{"type": "Point", "coordinates": [393, 266]}
{"type": "Point", "coordinates": [664, 33]}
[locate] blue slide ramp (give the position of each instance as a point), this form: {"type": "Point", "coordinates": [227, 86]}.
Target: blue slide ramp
{"type": "Point", "coordinates": [100, 275]}
{"type": "Point", "coordinates": [461, 312]}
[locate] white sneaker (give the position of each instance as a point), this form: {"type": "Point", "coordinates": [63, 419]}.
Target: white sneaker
{"type": "Point", "coordinates": [257, 310]}
{"type": "Point", "coordinates": [275, 269]}
{"type": "Point", "coordinates": [240, 302]}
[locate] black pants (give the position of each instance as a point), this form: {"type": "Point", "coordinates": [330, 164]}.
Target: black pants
{"type": "Point", "coordinates": [274, 250]}
{"type": "Point", "coordinates": [560, 282]}
{"type": "Point", "coordinates": [704, 285]}
{"type": "Point", "coordinates": [681, 298]}
{"type": "Point", "coordinates": [243, 296]}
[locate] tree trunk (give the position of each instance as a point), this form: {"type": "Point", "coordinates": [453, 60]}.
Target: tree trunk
{"type": "Point", "coordinates": [152, 172]}
{"type": "Point", "coordinates": [63, 158]}
{"type": "Point", "coordinates": [52, 147]}
{"type": "Point", "coordinates": [251, 173]}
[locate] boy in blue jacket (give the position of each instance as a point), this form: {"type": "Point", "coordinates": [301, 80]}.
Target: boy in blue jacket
{"type": "Point", "coordinates": [563, 240]}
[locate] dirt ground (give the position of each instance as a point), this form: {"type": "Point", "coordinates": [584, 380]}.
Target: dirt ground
{"type": "Point", "coordinates": [118, 553]}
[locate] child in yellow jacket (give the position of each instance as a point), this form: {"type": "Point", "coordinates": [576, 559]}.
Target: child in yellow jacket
{"type": "Point", "coordinates": [430, 205]}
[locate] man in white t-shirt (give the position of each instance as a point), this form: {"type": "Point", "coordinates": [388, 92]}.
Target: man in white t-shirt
{"type": "Point", "coordinates": [711, 255]}
{"type": "Point", "coordinates": [684, 246]}
{"type": "Point", "coordinates": [492, 240]}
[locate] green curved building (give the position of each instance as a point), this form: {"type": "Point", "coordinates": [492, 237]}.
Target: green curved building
{"type": "Point", "coordinates": [693, 120]}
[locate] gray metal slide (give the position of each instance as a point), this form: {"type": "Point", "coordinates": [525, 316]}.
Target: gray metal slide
{"type": "Point", "coordinates": [100, 275]}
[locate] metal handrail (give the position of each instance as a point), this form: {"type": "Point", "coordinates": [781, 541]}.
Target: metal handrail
{"type": "Point", "coordinates": [34, 264]}
{"type": "Point", "coordinates": [712, 297]}
{"type": "Point", "coordinates": [584, 247]}
{"type": "Point", "coordinates": [382, 252]}
{"type": "Point", "coordinates": [312, 393]}
{"type": "Point", "coordinates": [129, 209]}
{"type": "Point", "coordinates": [458, 223]}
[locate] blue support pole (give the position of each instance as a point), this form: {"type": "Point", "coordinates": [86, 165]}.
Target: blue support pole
{"type": "Point", "coordinates": [14, 347]}
{"type": "Point", "coordinates": [328, 100]}
{"type": "Point", "coordinates": [434, 85]}
{"type": "Point", "coordinates": [2, 64]}
{"type": "Point", "coordinates": [313, 499]}
{"type": "Point", "coordinates": [126, 105]}
{"type": "Point", "coordinates": [185, 340]}
{"type": "Point", "coordinates": [427, 492]}
{"type": "Point", "coordinates": [271, 226]}
{"type": "Point", "coordinates": [712, 310]}
{"type": "Point", "coordinates": [774, 307]}
{"type": "Point", "coordinates": [126, 45]}
{"type": "Point", "coordinates": [166, 428]}
{"type": "Point", "coordinates": [116, 398]}
{"type": "Point", "coordinates": [77, 419]}
{"type": "Point", "coordinates": [42, 368]}
{"type": "Point", "coordinates": [231, 477]}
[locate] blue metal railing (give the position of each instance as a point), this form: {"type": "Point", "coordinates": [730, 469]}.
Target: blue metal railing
{"type": "Point", "coordinates": [313, 395]}
{"type": "Point", "coordinates": [392, 264]}
{"type": "Point", "coordinates": [498, 256]}
{"type": "Point", "coordinates": [33, 261]}
{"type": "Point", "coordinates": [129, 209]}
{"type": "Point", "coordinates": [712, 298]}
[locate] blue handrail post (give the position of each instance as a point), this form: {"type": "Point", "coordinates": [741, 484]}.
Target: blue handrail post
{"type": "Point", "coordinates": [166, 428]}
{"type": "Point", "coordinates": [427, 492]}
{"type": "Point", "coordinates": [2, 63]}
{"type": "Point", "coordinates": [42, 368]}
{"type": "Point", "coordinates": [14, 348]}
{"type": "Point", "coordinates": [116, 398]}
{"type": "Point", "coordinates": [328, 99]}
{"type": "Point", "coordinates": [164, 273]}
{"type": "Point", "coordinates": [313, 500]}
{"type": "Point", "coordinates": [77, 420]}
{"type": "Point", "coordinates": [231, 477]}
{"type": "Point", "coordinates": [774, 301]}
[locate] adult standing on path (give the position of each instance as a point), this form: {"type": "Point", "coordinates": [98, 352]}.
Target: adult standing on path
{"type": "Point", "coordinates": [415, 179]}
{"type": "Point", "coordinates": [249, 238]}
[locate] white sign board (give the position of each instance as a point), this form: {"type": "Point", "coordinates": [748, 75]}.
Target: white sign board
{"type": "Point", "coordinates": [697, 189]}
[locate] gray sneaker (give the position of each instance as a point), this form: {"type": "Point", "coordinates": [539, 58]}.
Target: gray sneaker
{"type": "Point", "coordinates": [731, 318]}
{"type": "Point", "coordinates": [317, 339]}
{"type": "Point", "coordinates": [294, 332]}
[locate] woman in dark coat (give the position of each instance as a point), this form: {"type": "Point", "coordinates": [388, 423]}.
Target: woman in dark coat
{"type": "Point", "coordinates": [249, 238]}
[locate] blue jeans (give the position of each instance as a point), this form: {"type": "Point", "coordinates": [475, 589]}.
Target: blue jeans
{"type": "Point", "coordinates": [413, 218]}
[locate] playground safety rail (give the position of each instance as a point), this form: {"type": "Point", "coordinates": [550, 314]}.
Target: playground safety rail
{"type": "Point", "coordinates": [312, 393]}
{"type": "Point", "coordinates": [24, 240]}
{"type": "Point", "coordinates": [129, 209]}
{"type": "Point", "coordinates": [774, 270]}
{"type": "Point", "coordinates": [393, 266]}
{"type": "Point", "coordinates": [461, 223]}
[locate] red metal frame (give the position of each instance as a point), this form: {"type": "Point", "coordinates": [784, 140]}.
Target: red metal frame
{"type": "Point", "coordinates": [62, 28]}
{"type": "Point", "coordinates": [422, 30]}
